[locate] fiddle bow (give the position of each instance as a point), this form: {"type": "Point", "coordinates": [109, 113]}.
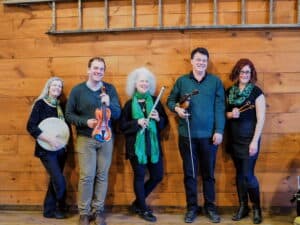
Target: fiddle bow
{"type": "Point", "coordinates": [184, 103]}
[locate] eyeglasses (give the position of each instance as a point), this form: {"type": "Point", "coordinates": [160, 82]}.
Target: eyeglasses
{"type": "Point", "coordinates": [247, 72]}
{"type": "Point", "coordinates": [200, 60]}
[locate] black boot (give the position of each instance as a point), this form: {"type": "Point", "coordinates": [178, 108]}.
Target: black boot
{"type": "Point", "coordinates": [257, 217]}
{"type": "Point", "coordinates": [255, 199]}
{"type": "Point", "coordinates": [242, 212]}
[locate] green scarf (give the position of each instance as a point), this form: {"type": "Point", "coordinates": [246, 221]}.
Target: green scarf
{"type": "Point", "coordinates": [237, 97]}
{"type": "Point", "coordinates": [55, 103]}
{"type": "Point", "coordinates": [140, 142]}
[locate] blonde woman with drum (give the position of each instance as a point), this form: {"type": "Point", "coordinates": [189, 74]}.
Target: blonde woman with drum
{"type": "Point", "coordinates": [50, 146]}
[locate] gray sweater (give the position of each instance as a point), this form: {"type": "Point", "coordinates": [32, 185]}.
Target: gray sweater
{"type": "Point", "coordinates": [83, 102]}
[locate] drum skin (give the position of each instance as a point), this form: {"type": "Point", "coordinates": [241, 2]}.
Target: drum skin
{"type": "Point", "coordinates": [54, 127]}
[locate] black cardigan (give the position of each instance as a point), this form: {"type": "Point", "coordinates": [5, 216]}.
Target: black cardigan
{"type": "Point", "coordinates": [40, 111]}
{"type": "Point", "coordinates": [130, 127]}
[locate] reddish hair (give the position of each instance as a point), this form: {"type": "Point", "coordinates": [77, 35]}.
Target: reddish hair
{"type": "Point", "coordinates": [238, 67]}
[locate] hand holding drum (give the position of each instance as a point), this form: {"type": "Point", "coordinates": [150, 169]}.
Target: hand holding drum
{"type": "Point", "coordinates": [57, 133]}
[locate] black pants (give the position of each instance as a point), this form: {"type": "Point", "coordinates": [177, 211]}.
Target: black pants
{"type": "Point", "coordinates": [141, 188]}
{"type": "Point", "coordinates": [56, 194]}
{"type": "Point", "coordinates": [204, 157]}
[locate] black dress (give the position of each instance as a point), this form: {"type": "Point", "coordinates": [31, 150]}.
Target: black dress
{"type": "Point", "coordinates": [241, 130]}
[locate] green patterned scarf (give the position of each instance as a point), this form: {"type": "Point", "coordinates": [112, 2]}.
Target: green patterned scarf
{"type": "Point", "coordinates": [237, 97]}
{"type": "Point", "coordinates": [55, 103]}
{"type": "Point", "coordinates": [140, 142]}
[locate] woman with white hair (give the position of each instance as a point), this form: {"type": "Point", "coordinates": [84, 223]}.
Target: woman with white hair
{"type": "Point", "coordinates": [45, 106]}
{"type": "Point", "coordinates": [143, 147]}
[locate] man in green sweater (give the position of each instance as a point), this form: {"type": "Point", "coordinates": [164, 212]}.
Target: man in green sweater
{"type": "Point", "coordinates": [94, 156]}
{"type": "Point", "coordinates": [205, 116]}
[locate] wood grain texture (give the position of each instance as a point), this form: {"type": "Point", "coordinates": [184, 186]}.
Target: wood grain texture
{"type": "Point", "coordinates": [28, 57]}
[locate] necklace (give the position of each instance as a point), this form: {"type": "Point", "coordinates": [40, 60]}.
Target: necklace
{"type": "Point", "coordinates": [142, 105]}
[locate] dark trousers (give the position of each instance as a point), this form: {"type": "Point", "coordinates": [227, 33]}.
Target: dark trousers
{"type": "Point", "coordinates": [141, 188]}
{"type": "Point", "coordinates": [56, 194]}
{"type": "Point", "coordinates": [204, 157]}
{"type": "Point", "coordinates": [246, 181]}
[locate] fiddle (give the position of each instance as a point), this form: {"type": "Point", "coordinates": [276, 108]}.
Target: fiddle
{"type": "Point", "coordinates": [184, 101]}
{"type": "Point", "coordinates": [102, 132]}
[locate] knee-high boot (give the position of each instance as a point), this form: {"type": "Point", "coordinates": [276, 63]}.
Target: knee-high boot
{"type": "Point", "coordinates": [255, 199]}
{"type": "Point", "coordinates": [243, 209]}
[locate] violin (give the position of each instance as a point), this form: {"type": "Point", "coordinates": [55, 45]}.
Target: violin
{"type": "Point", "coordinates": [102, 132]}
{"type": "Point", "coordinates": [184, 101]}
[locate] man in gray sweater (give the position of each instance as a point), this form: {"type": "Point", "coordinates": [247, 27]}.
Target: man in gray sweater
{"type": "Point", "coordinates": [205, 116]}
{"type": "Point", "coordinates": [94, 154]}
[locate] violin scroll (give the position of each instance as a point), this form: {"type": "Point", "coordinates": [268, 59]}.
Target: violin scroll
{"type": "Point", "coordinates": [184, 101]}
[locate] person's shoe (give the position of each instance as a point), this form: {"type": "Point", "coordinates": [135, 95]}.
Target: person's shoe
{"type": "Point", "coordinates": [100, 218]}
{"type": "Point", "coordinates": [84, 220]}
{"type": "Point", "coordinates": [148, 216]}
{"type": "Point", "coordinates": [257, 217]}
{"type": "Point", "coordinates": [213, 216]}
{"type": "Point", "coordinates": [242, 212]}
{"type": "Point", "coordinates": [134, 208]}
{"type": "Point", "coordinates": [59, 214]}
{"type": "Point", "coordinates": [190, 216]}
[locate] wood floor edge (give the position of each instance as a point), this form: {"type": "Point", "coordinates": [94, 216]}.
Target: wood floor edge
{"type": "Point", "coordinates": [159, 209]}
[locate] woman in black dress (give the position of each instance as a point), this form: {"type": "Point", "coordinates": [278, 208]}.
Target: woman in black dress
{"type": "Point", "coordinates": [246, 115]}
{"type": "Point", "coordinates": [45, 106]}
{"type": "Point", "coordinates": [143, 147]}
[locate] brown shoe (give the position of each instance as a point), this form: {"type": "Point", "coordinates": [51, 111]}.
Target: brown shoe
{"type": "Point", "coordinates": [84, 220]}
{"type": "Point", "coordinates": [100, 218]}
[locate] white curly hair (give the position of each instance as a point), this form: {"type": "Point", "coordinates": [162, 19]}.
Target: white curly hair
{"type": "Point", "coordinates": [133, 77]}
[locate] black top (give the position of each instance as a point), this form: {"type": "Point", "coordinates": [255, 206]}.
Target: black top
{"type": "Point", "coordinates": [40, 111]}
{"type": "Point", "coordinates": [241, 130]}
{"type": "Point", "coordinates": [130, 127]}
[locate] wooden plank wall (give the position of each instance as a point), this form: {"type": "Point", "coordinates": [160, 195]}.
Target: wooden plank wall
{"type": "Point", "coordinates": [28, 57]}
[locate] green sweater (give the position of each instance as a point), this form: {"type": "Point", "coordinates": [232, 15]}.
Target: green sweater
{"type": "Point", "coordinates": [83, 102]}
{"type": "Point", "coordinates": [206, 109]}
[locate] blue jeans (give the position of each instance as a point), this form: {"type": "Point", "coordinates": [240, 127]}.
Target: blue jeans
{"type": "Point", "coordinates": [56, 194]}
{"type": "Point", "coordinates": [204, 157]}
{"type": "Point", "coordinates": [141, 188]}
{"type": "Point", "coordinates": [94, 162]}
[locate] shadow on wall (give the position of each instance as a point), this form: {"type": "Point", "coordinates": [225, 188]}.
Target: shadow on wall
{"type": "Point", "coordinates": [286, 183]}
